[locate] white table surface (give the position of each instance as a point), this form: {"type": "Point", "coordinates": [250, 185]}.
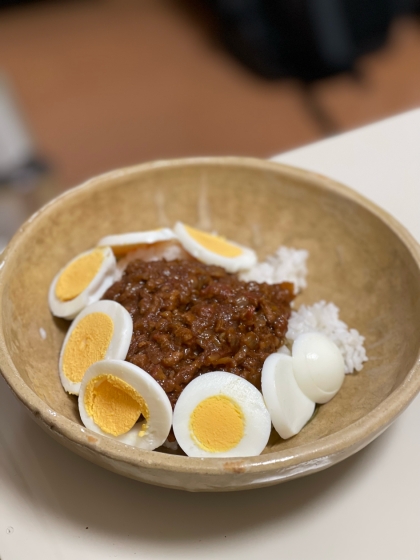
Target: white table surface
{"type": "Point", "coordinates": [55, 505]}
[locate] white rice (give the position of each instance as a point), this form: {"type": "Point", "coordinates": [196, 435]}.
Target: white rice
{"type": "Point", "coordinates": [323, 317]}
{"type": "Point", "coordinates": [286, 265]}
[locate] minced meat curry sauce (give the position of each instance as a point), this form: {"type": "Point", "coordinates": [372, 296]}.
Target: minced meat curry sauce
{"type": "Point", "coordinates": [191, 318]}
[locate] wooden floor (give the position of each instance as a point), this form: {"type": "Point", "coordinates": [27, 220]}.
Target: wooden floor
{"type": "Point", "coordinates": [108, 83]}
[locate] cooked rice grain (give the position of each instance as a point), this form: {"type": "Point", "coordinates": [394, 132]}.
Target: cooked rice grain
{"type": "Point", "coordinates": [286, 265]}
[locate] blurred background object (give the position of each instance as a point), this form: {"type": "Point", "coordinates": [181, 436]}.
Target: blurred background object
{"type": "Point", "coordinates": [102, 84]}
{"type": "Point", "coordinates": [308, 39]}
{"type": "Point", "coordinates": [21, 172]}
{"type": "Point", "coordinates": [16, 149]}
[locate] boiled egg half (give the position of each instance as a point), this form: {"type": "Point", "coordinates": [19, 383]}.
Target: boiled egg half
{"type": "Point", "coordinates": [318, 366]}
{"type": "Point", "coordinates": [212, 249]}
{"type": "Point", "coordinates": [220, 414]}
{"type": "Point", "coordinates": [120, 400]}
{"type": "Point", "coordinates": [101, 331]}
{"type": "Point", "coordinates": [124, 243]}
{"type": "Point", "coordinates": [289, 408]}
{"type": "Point", "coordinates": [81, 282]}
{"type": "Point", "coordinates": [292, 385]}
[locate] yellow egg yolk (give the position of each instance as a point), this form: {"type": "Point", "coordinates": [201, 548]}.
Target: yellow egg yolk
{"type": "Point", "coordinates": [217, 424]}
{"type": "Point", "coordinates": [78, 275]}
{"type": "Point", "coordinates": [214, 243]}
{"type": "Point", "coordinates": [114, 405]}
{"type": "Point", "coordinates": [87, 344]}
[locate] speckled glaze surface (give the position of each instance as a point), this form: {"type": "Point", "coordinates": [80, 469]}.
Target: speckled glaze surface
{"type": "Point", "coordinates": [360, 258]}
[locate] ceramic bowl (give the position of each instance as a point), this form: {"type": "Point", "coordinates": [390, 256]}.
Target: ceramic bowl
{"type": "Point", "coordinates": [360, 258]}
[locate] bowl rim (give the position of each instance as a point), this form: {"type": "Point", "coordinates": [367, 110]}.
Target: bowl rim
{"type": "Point", "coordinates": [308, 457]}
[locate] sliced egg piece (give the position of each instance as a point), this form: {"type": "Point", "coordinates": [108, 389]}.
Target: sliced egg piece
{"type": "Point", "coordinates": [81, 282]}
{"type": "Point", "coordinates": [122, 401]}
{"type": "Point", "coordinates": [123, 243]}
{"type": "Point", "coordinates": [166, 250]}
{"type": "Point", "coordinates": [318, 366]}
{"type": "Point", "coordinates": [212, 249]}
{"type": "Point", "coordinates": [289, 408]}
{"type": "Point", "coordinates": [220, 414]}
{"type": "Point", "coordinates": [101, 331]}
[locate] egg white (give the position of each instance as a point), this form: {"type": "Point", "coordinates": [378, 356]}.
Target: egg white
{"type": "Point", "coordinates": [160, 409]}
{"type": "Point", "coordinates": [244, 394]}
{"type": "Point", "coordinates": [94, 291]}
{"type": "Point", "coordinates": [120, 341]}
{"type": "Point", "coordinates": [133, 239]}
{"type": "Point", "coordinates": [289, 408]}
{"type": "Point", "coordinates": [246, 260]}
{"type": "Point", "coordinates": [318, 366]}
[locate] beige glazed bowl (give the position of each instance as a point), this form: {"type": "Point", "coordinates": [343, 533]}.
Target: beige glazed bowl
{"type": "Point", "coordinates": [360, 258]}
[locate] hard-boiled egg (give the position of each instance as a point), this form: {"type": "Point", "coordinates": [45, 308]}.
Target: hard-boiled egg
{"type": "Point", "coordinates": [120, 400]}
{"type": "Point", "coordinates": [212, 249]}
{"type": "Point", "coordinates": [289, 408]}
{"type": "Point", "coordinates": [220, 414]}
{"type": "Point", "coordinates": [101, 331]}
{"type": "Point", "coordinates": [123, 243]}
{"type": "Point", "coordinates": [81, 282]}
{"type": "Point", "coordinates": [318, 366]}
{"type": "Point", "coordinates": [165, 250]}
